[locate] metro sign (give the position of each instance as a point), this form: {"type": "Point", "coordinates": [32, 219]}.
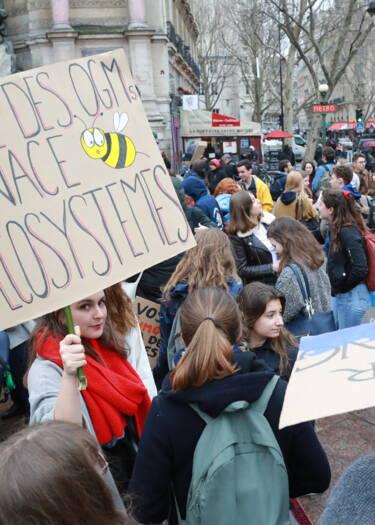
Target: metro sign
{"type": "Point", "coordinates": [324, 108]}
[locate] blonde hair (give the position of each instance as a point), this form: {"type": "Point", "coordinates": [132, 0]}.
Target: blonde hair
{"type": "Point", "coordinates": [210, 326]}
{"type": "Point", "coordinates": [208, 264]}
{"type": "Point", "coordinates": [294, 182]}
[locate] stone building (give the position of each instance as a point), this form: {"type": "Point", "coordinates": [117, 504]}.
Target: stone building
{"type": "Point", "coordinates": [158, 36]}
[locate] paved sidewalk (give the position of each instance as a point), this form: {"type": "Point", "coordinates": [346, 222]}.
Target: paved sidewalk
{"type": "Point", "coordinates": [345, 438]}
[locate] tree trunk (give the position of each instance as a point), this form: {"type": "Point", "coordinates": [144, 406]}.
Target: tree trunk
{"type": "Point", "coordinates": [289, 94]}
{"type": "Point", "coordinates": [313, 137]}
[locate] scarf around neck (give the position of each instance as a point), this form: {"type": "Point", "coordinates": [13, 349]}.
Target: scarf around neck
{"type": "Point", "coordinates": [114, 390]}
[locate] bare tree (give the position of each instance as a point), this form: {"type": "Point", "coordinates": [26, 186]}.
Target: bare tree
{"type": "Point", "coordinates": [216, 64]}
{"type": "Point", "coordinates": [329, 36]}
{"type": "Point", "coordinates": [253, 43]}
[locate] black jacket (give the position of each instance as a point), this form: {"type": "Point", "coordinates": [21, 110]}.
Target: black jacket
{"type": "Point", "coordinates": [172, 430]}
{"type": "Point", "coordinates": [253, 259]}
{"type": "Point", "coordinates": [272, 359]}
{"type": "Point", "coordinates": [347, 267]}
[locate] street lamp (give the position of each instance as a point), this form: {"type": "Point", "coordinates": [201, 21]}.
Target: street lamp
{"type": "Point", "coordinates": [323, 90]}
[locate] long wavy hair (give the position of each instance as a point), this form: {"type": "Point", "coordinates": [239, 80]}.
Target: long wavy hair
{"type": "Point", "coordinates": [208, 264]}
{"type": "Point", "coordinates": [120, 319]}
{"type": "Point", "coordinates": [345, 213]}
{"type": "Point", "coordinates": [299, 244]}
{"type": "Point", "coordinates": [49, 474]}
{"type": "Point", "coordinates": [253, 301]}
{"type": "Point", "coordinates": [210, 326]}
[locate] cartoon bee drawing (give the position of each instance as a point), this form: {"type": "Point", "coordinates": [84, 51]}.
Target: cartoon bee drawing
{"type": "Point", "coordinates": [114, 148]}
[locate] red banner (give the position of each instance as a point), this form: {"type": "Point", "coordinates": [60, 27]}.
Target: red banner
{"type": "Point", "coordinates": [219, 121]}
{"type": "Point", "coordinates": [324, 108]}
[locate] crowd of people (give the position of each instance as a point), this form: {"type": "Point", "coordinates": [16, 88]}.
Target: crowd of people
{"type": "Point", "coordinates": [196, 439]}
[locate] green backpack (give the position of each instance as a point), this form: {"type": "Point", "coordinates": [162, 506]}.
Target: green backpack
{"type": "Point", "coordinates": [239, 476]}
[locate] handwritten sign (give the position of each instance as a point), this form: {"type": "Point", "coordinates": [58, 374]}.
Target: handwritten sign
{"type": "Point", "coordinates": [149, 323]}
{"type": "Point", "coordinates": [334, 373]}
{"type": "Point", "coordinates": [85, 198]}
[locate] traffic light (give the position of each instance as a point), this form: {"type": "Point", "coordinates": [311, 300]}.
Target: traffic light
{"type": "Point", "coordinates": [358, 114]}
{"type": "Point", "coordinates": [281, 121]}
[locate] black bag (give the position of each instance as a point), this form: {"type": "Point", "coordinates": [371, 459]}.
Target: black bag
{"type": "Point", "coordinates": [308, 322]}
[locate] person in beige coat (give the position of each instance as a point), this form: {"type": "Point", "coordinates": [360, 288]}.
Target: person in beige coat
{"type": "Point", "coordinates": [294, 202]}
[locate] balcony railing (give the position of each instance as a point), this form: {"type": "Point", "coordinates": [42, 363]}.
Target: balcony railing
{"type": "Point", "coordinates": [182, 48]}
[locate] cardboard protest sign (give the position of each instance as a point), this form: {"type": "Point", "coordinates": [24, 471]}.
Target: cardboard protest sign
{"type": "Point", "coordinates": [85, 198]}
{"type": "Point", "coordinates": [334, 373]}
{"type": "Point", "coordinates": [147, 313]}
{"type": "Point", "coordinates": [199, 150]}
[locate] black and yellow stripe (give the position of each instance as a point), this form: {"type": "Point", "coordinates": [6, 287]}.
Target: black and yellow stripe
{"type": "Point", "coordinates": [120, 151]}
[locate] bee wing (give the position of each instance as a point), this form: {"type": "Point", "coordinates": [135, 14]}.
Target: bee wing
{"type": "Point", "coordinates": [123, 120]}
{"type": "Point", "coordinates": [116, 121]}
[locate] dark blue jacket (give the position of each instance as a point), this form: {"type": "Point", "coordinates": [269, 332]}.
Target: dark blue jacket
{"type": "Point", "coordinates": [278, 184]}
{"type": "Point", "coordinates": [196, 189]}
{"type": "Point", "coordinates": [172, 430]}
{"type": "Point", "coordinates": [168, 311]}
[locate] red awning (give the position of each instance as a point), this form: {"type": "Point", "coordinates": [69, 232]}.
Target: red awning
{"type": "Point", "coordinates": [342, 126]}
{"type": "Point", "coordinates": [278, 134]}
{"type": "Point", "coordinates": [349, 124]}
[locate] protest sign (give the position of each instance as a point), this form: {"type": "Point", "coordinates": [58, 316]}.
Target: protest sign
{"type": "Point", "coordinates": [147, 313]}
{"type": "Point", "coordinates": [85, 198]}
{"type": "Point", "coordinates": [199, 150]}
{"type": "Point", "coordinates": [334, 373]}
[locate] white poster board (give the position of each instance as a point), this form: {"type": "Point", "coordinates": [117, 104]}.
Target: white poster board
{"type": "Point", "coordinates": [334, 373]}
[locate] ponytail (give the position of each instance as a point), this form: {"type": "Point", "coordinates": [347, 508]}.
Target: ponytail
{"type": "Point", "coordinates": [210, 326]}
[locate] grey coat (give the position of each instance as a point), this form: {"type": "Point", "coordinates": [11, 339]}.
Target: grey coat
{"type": "Point", "coordinates": [44, 384]}
{"type": "Point", "coordinates": [320, 290]}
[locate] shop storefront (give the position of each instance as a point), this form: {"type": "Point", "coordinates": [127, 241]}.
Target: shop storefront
{"type": "Point", "coordinates": [222, 133]}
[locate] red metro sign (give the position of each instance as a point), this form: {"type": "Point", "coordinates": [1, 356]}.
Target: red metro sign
{"type": "Point", "coordinates": [324, 108]}
{"type": "Point", "coordinates": [220, 121]}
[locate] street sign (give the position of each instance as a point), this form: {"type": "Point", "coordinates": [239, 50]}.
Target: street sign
{"type": "Point", "coordinates": [360, 127]}
{"type": "Point", "coordinates": [324, 108]}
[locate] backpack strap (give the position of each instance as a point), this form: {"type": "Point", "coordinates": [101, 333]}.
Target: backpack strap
{"type": "Point", "coordinates": [206, 418]}
{"type": "Point", "coordinates": [173, 338]}
{"type": "Point", "coordinates": [304, 286]}
{"type": "Point", "coordinates": [260, 405]}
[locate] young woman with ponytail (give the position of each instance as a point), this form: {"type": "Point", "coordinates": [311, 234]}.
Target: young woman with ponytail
{"type": "Point", "coordinates": [347, 265]}
{"type": "Point", "coordinates": [212, 376]}
{"type": "Point", "coordinates": [209, 264]}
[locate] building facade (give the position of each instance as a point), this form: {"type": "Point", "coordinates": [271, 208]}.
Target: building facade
{"type": "Point", "coordinates": [158, 37]}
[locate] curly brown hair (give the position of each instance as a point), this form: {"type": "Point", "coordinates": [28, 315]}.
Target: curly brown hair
{"type": "Point", "coordinates": [208, 264]}
{"type": "Point", "coordinates": [120, 319]}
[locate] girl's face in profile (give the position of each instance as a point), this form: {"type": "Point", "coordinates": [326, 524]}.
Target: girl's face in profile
{"type": "Point", "coordinates": [91, 315]}
{"type": "Point", "coordinates": [269, 325]}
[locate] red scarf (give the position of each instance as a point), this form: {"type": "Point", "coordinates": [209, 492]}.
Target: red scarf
{"type": "Point", "coordinates": [114, 389]}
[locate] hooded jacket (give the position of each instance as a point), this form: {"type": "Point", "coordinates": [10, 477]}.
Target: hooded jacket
{"type": "Point", "coordinates": [168, 311]}
{"type": "Point", "coordinates": [172, 430]}
{"type": "Point", "coordinates": [196, 189]}
{"type": "Point", "coordinates": [278, 184]}
{"type": "Point", "coordinates": [294, 205]}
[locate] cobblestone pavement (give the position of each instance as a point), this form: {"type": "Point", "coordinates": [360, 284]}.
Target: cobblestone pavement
{"type": "Point", "coordinates": [344, 437]}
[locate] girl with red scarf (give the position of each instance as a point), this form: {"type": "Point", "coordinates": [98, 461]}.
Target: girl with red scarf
{"type": "Point", "coordinates": [107, 343]}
